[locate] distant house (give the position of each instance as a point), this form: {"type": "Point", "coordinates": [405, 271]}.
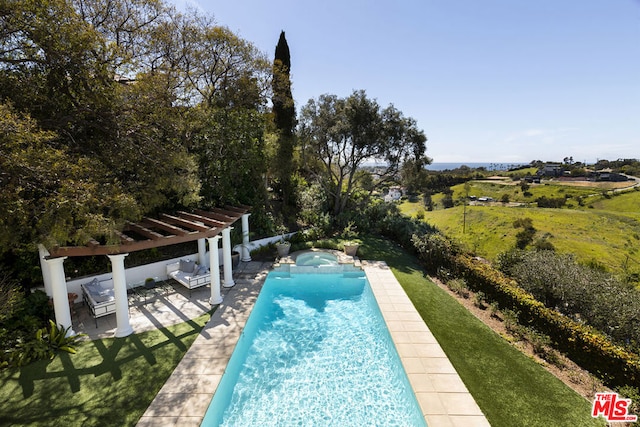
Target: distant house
{"type": "Point", "coordinates": [609, 175]}
{"type": "Point", "coordinates": [118, 78]}
{"type": "Point", "coordinates": [552, 170]}
{"type": "Point", "coordinates": [395, 193]}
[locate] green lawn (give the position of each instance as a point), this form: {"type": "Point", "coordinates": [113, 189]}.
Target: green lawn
{"type": "Point", "coordinates": [510, 388]}
{"type": "Point", "coordinates": [109, 382]}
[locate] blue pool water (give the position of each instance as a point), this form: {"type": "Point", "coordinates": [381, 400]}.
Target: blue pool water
{"type": "Point", "coordinates": [315, 352]}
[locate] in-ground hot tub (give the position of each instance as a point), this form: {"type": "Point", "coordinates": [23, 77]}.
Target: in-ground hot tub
{"type": "Point", "coordinates": [316, 259]}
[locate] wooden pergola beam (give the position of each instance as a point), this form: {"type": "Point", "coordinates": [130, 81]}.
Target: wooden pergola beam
{"type": "Point", "coordinates": [137, 245]}
{"type": "Point", "coordinates": [123, 237]}
{"type": "Point", "coordinates": [217, 215]}
{"type": "Point", "coordinates": [226, 212]}
{"type": "Point", "coordinates": [144, 231]}
{"type": "Point", "coordinates": [203, 219]}
{"type": "Point", "coordinates": [166, 227]}
{"type": "Point", "coordinates": [237, 209]}
{"type": "Point", "coordinates": [204, 223]}
{"type": "Point", "coordinates": [185, 222]}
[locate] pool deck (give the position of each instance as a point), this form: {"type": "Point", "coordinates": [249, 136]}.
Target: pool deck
{"type": "Point", "coordinates": [443, 397]}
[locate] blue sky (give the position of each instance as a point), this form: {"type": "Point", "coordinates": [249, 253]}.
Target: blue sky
{"type": "Point", "coordinates": [487, 81]}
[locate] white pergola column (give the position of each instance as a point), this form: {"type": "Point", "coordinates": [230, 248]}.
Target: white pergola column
{"type": "Point", "coordinates": [123, 327]}
{"type": "Point", "coordinates": [226, 258]}
{"type": "Point", "coordinates": [246, 255]}
{"type": "Point", "coordinates": [46, 275]}
{"type": "Point", "coordinates": [202, 252]}
{"type": "Point", "coordinates": [61, 309]}
{"type": "Point", "coordinates": [214, 270]}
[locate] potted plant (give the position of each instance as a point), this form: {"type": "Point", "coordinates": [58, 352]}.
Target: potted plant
{"type": "Point", "coordinates": [283, 245]}
{"type": "Point", "coordinates": [235, 259]}
{"type": "Point", "coordinates": [351, 243]}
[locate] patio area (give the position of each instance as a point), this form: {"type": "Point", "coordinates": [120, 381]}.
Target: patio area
{"type": "Point", "coordinates": [167, 304]}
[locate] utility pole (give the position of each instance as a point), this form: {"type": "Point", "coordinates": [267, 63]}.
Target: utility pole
{"type": "Point", "coordinates": [467, 187]}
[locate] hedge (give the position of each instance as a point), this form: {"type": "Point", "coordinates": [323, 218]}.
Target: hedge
{"type": "Point", "coordinates": [586, 346]}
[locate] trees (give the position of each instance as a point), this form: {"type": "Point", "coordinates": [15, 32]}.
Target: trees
{"type": "Point", "coordinates": [228, 76]}
{"type": "Point", "coordinates": [114, 109]}
{"type": "Point", "coordinates": [108, 142]}
{"type": "Point", "coordinates": [284, 116]}
{"type": "Point", "coordinates": [230, 145]}
{"type": "Point", "coordinates": [338, 135]}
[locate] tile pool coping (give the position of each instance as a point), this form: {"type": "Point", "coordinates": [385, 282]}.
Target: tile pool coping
{"type": "Point", "coordinates": [443, 397]}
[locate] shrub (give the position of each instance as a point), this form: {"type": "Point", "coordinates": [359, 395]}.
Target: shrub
{"type": "Point", "coordinates": [512, 325]}
{"type": "Point", "coordinates": [459, 287]}
{"type": "Point", "coordinates": [507, 260]}
{"type": "Point", "coordinates": [494, 309]}
{"type": "Point", "coordinates": [632, 393]}
{"type": "Point", "coordinates": [401, 229]}
{"type": "Point", "coordinates": [447, 201]}
{"type": "Point", "coordinates": [582, 293]}
{"type": "Point", "coordinates": [543, 244]}
{"type": "Point", "coordinates": [586, 346]}
{"type": "Point", "coordinates": [20, 324]}
{"type": "Point", "coordinates": [436, 251]}
{"type": "Point", "coordinates": [525, 236]}
{"type": "Point", "coordinates": [539, 342]}
{"type": "Point", "coordinates": [551, 202]}
{"type": "Point", "coordinates": [479, 300]}
{"type": "Point", "coordinates": [47, 342]}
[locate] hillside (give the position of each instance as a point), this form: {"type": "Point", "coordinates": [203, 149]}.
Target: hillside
{"type": "Point", "coordinates": [599, 229]}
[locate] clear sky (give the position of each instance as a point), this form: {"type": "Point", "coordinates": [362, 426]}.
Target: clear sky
{"type": "Point", "coordinates": [487, 80]}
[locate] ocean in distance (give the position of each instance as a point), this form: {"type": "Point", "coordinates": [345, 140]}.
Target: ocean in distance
{"type": "Point", "coordinates": [437, 166]}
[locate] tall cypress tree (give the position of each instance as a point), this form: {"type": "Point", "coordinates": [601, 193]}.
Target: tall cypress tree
{"type": "Point", "coordinates": [284, 118]}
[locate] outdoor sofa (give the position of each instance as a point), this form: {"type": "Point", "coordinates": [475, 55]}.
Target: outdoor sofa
{"type": "Point", "coordinates": [189, 274]}
{"type": "Point", "coordinates": [98, 295]}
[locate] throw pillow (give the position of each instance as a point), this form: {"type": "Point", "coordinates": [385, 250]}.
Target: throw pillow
{"type": "Point", "coordinates": [187, 265]}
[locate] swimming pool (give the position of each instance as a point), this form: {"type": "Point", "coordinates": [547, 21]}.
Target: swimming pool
{"type": "Point", "coordinates": [315, 352]}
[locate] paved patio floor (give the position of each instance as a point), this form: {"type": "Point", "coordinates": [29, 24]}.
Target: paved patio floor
{"type": "Point", "coordinates": [162, 307]}
{"type": "Point", "coordinates": [186, 395]}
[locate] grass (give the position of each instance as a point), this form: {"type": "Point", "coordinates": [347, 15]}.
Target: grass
{"type": "Point", "coordinates": [497, 189]}
{"type": "Point", "coordinates": [608, 233]}
{"type": "Point", "coordinates": [625, 202]}
{"type": "Point", "coordinates": [510, 388]}
{"type": "Point", "coordinates": [108, 382]}
{"type": "Point", "coordinates": [589, 192]}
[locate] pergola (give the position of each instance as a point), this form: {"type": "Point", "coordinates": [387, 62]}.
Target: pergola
{"type": "Point", "coordinates": [169, 229]}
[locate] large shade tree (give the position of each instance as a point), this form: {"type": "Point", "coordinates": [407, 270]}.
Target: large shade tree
{"type": "Point", "coordinates": [339, 135]}
{"type": "Point", "coordinates": [229, 77]}
{"type": "Point", "coordinates": [124, 108]}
